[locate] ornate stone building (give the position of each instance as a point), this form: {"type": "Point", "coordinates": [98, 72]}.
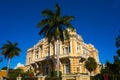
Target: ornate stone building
{"type": "Point", "coordinates": [41, 58]}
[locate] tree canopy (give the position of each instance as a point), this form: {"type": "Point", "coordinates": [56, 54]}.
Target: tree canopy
{"type": "Point", "coordinates": [54, 25]}
{"type": "Point", "coordinates": [10, 50]}
{"type": "Point", "coordinates": [90, 64]}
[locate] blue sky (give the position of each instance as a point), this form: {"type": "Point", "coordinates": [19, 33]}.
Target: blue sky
{"type": "Point", "coordinates": [97, 21]}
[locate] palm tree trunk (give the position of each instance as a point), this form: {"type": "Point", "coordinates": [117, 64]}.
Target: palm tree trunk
{"type": "Point", "coordinates": [8, 68]}
{"type": "Point", "coordinates": [57, 51]}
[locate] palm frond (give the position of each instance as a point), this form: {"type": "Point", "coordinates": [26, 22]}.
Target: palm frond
{"type": "Point", "coordinates": [61, 35]}
{"type": "Point", "coordinates": [66, 35]}
{"type": "Point", "coordinates": [117, 41]}
{"type": "Point", "coordinates": [57, 10]}
{"type": "Point", "coordinates": [67, 18]}
{"type": "Point", "coordinates": [9, 50]}
{"type": "Point", "coordinates": [43, 22]}
{"type": "Point", "coordinates": [43, 29]}
{"type": "Point", "coordinates": [68, 25]}
{"type": "Point", "coordinates": [9, 42]}
{"type": "Point", "coordinates": [15, 44]}
{"type": "Point", "coordinates": [48, 13]}
{"type": "Point", "coordinates": [53, 26]}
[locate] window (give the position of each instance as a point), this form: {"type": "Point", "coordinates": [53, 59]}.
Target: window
{"type": "Point", "coordinates": [66, 51]}
{"type": "Point", "coordinates": [46, 69]}
{"type": "Point", "coordinates": [67, 68]}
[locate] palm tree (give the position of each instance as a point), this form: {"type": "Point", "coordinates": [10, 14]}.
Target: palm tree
{"type": "Point", "coordinates": [1, 57]}
{"type": "Point", "coordinates": [54, 27]}
{"type": "Point", "coordinates": [90, 64]}
{"type": "Point", "coordinates": [9, 50]}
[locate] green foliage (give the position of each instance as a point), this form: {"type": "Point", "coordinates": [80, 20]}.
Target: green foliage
{"type": "Point", "coordinates": [118, 44]}
{"type": "Point", "coordinates": [15, 73]}
{"type": "Point", "coordinates": [117, 41]}
{"type": "Point", "coordinates": [90, 64]}
{"type": "Point", "coordinates": [30, 79]}
{"type": "Point", "coordinates": [112, 69]}
{"type": "Point", "coordinates": [9, 50]}
{"type": "Point", "coordinates": [105, 70]}
{"type": "Point", "coordinates": [1, 59]}
{"type": "Point", "coordinates": [53, 76]}
{"type": "Point", "coordinates": [98, 77]}
{"type": "Point", "coordinates": [54, 24]}
{"type": "Point", "coordinates": [118, 52]}
{"type": "Point", "coordinates": [27, 74]}
{"type": "Point", "coordinates": [54, 73]}
{"type": "Point", "coordinates": [4, 68]}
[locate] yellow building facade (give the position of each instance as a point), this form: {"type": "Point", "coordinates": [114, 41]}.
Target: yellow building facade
{"type": "Point", "coordinates": [2, 73]}
{"type": "Point", "coordinates": [41, 58]}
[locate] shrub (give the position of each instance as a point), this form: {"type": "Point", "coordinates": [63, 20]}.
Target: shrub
{"type": "Point", "coordinates": [52, 78]}
{"type": "Point", "coordinates": [30, 79]}
{"type": "Point", "coordinates": [54, 74]}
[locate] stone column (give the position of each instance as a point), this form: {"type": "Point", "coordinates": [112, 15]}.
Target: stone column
{"type": "Point", "coordinates": [71, 46]}
{"type": "Point", "coordinates": [33, 57]}
{"type": "Point", "coordinates": [39, 51]}
{"type": "Point", "coordinates": [55, 47]}
{"type": "Point", "coordinates": [42, 50]}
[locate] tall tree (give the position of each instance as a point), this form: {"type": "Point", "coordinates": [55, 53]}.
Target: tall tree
{"type": "Point", "coordinates": [90, 64]}
{"type": "Point", "coordinates": [1, 59]}
{"type": "Point", "coordinates": [117, 58]}
{"type": "Point", "coordinates": [10, 50]}
{"type": "Point", "coordinates": [54, 27]}
{"type": "Point", "coordinates": [118, 44]}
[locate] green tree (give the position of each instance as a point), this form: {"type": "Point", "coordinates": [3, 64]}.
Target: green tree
{"type": "Point", "coordinates": [4, 68]}
{"type": "Point", "coordinates": [10, 50]}
{"type": "Point", "coordinates": [54, 27]}
{"type": "Point", "coordinates": [113, 69]}
{"type": "Point", "coordinates": [15, 73]}
{"type": "Point", "coordinates": [90, 64]}
{"type": "Point", "coordinates": [117, 58]}
{"type": "Point", "coordinates": [1, 57]}
{"type": "Point", "coordinates": [118, 44]}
